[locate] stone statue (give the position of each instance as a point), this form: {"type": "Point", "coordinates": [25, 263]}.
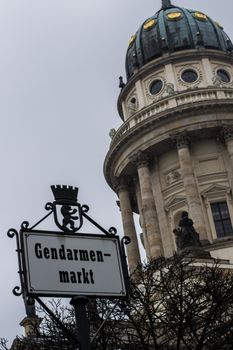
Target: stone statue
{"type": "Point", "coordinates": [217, 81]}
{"type": "Point", "coordinates": [169, 89]}
{"type": "Point", "coordinates": [186, 236]}
{"type": "Point", "coordinates": [112, 133]}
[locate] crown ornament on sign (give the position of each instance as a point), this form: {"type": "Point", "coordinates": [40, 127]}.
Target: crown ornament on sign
{"type": "Point", "coordinates": [65, 194]}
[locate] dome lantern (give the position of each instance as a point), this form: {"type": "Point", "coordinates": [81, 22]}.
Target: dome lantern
{"type": "Point", "coordinates": [166, 4]}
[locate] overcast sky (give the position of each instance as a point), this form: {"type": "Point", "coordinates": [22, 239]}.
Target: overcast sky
{"type": "Point", "coordinates": [59, 66]}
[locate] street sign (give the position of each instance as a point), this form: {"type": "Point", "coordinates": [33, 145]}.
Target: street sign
{"type": "Point", "coordinates": [69, 264]}
{"type": "Point", "coordinates": [66, 265]}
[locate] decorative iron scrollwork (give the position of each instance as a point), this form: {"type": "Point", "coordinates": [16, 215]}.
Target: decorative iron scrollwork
{"type": "Point", "coordinates": [125, 240]}
{"type": "Point", "coordinates": [85, 208]}
{"type": "Point", "coordinates": [11, 233]}
{"type": "Point", "coordinates": [25, 225]}
{"type": "Point", "coordinates": [17, 291]}
{"type": "Point", "coordinates": [67, 213]}
{"type": "Point", "coordinates": [112, 231]}
{"type": "Point", "coordinates": [49, 206]}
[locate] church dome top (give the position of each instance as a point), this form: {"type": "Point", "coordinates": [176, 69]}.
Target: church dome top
{"type": "Point", "coordinates": [173, 29]}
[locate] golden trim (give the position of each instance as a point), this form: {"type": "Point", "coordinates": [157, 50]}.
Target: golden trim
{"type": "Point", "coordinates": [150, 23]}
{"type": "Point", "coordinates": [200, 16]}
{"type": "Point", "coordinates": [219, 25]}
{"type": "Point", "coordinates": [174, 16]}
{"type": "Point", "coordinates": [132, 39]}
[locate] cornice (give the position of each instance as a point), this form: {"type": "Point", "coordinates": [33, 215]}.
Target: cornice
{"type": "Point", "coordinates": [220, 243]}
{"type": "Point", "coordinates": [207, 178]}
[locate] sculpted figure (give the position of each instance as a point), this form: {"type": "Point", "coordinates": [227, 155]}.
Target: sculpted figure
{"type": "Point", "coordinates": [186, 236]}
{"type": "Point", "coordinates": [112, 133]}
{"type": "Point", "coordinates": [169, 88]}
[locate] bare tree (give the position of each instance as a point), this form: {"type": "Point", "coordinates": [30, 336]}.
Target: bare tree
{"type": "Point", "coordinates": [174, 303]}
{"type": "Point", "coordinates": [3, 344]}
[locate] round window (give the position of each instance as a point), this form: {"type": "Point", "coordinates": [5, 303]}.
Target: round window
{"type": "Point", "coordinates": [156, 87]}
{"type": "Point", "coordinates": [224, 75]}
{"type": "Point", "coordinates": [189, 76]}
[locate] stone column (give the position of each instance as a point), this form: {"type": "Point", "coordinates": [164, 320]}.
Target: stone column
{"type": "Point", "coordinates": [167, 239]}
{"type": "Point", "coordinates": [190, 185]}
{"type": "Point", "coordinates": [133, 253]}
{"type": "Point", "coordinates": [227, 135]}
{"type": "Point", "coordinates": [148, 205]}
{"type": "Point", "coordinates": [142, 221]}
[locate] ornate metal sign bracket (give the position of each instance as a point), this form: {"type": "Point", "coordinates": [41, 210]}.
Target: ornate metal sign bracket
{"type": "Point", "coordinates": [17, 291]}
{"type": "Point", "coordinates": [69, 217]}
{"type": "Point", "coordinates": [68, 212]}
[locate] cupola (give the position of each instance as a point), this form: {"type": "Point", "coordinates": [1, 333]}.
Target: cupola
{"type": "Point", "coordinates": [172, 29]}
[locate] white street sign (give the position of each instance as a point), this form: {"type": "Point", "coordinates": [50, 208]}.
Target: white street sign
{"type": "Point", "coordinates": [57, 264]}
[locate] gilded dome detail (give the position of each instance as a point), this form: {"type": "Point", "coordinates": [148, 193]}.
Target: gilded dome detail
{"type": "Point", "coordinates": [150, 23]}
{"type": "Point", "coordinates": [174, 29]}
{"type": "Point", "coordinates": [132, 39]}
{"type": "Point", "coordinates": [200, 16]}
{"type": "Point", "coordinates": [174, 16]}
{"type": "Point", "coordinates": [219, 25]}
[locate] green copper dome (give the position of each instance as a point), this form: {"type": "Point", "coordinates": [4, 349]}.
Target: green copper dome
{"type": "Point", "coordinates": [173, 29]}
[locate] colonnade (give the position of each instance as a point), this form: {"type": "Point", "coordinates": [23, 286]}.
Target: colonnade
{"type": "Point", "coordinates": [146, 201]}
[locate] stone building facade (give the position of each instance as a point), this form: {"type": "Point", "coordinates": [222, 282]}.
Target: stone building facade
{"type": "Point", "coordinates": [174, 149]}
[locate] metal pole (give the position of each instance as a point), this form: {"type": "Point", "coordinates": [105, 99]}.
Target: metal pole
{"type": "Point", "coordinates": [82, 324]}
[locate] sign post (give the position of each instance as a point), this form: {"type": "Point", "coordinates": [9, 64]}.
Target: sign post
{"type": "Point", "coordinates": [67, 263]}
{"type": "Point", "coordinates": [83, 332]}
